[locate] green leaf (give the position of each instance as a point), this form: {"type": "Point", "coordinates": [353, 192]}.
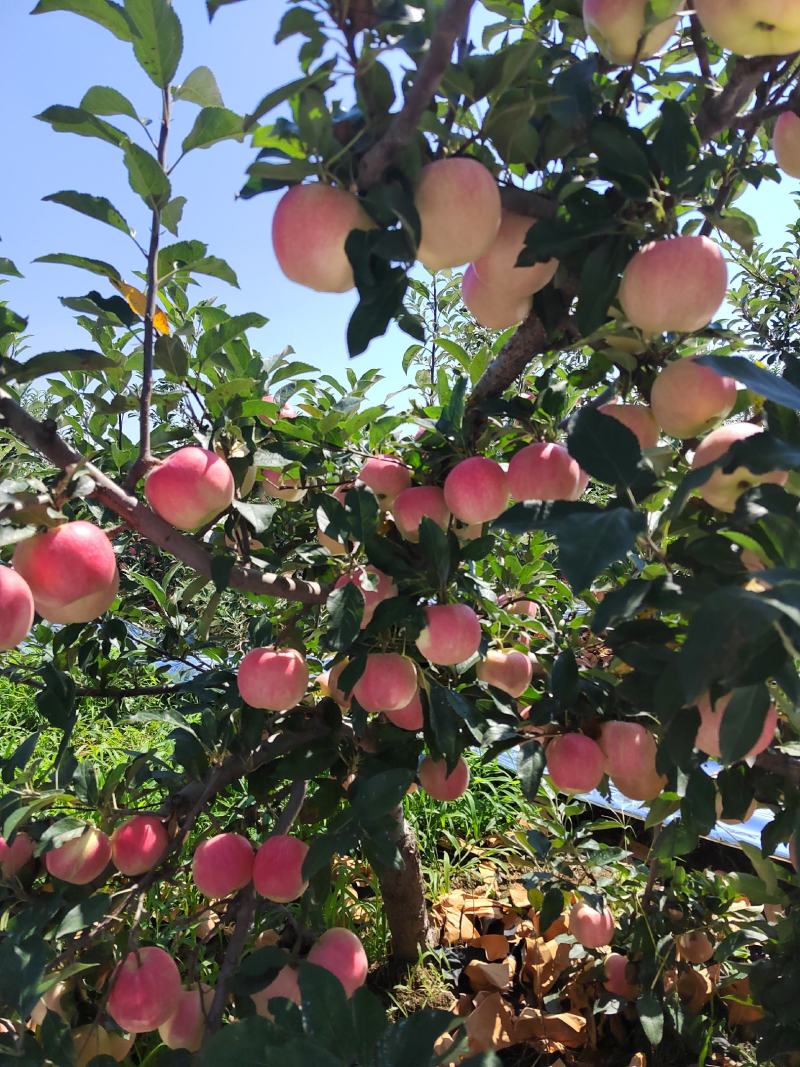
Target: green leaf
{"type": "Point", "coordinates": [213, 6]}
{"type": "Point", "coordinates": [199, 88]}
{"type": "Point", "coordinates": [96, 207]}
{"type": "Point", "coordinates": [411, 1041]}
{"type": "Point", "coordinates": [604, 447]}
{"type": "Point", "coordinates": [86, 913]}
{"type": "Point", "coordinates": [699, 803]}
{"type": "Point", "coordinates": [589, 537]}
{"type": "Point", "coordinates": [259, 516]}
{"type": "Point", "coordinates": [321, 78]}
{"type": "Point", "coordinates": [326, 1010]}
{"type": "Point", "coordinates": [103, 100]}
{"type": "Point", "coordinates": [651, 1016]}
{"type": "Point", "coordinates": [676, 146]}
{"type": "Point", "coordinates": [622, 156]}
{"type": "Point", "coordinates": [758, 379]}
{"type": "Point", "coordinates": [241, 1044]}
{"type": "Point", "coordinates": [147, 177]}
{"type": "Point", "coordinates": [106, 14]}
{"type": "Point", "coordinates": [66, 119]}
{"type": "Point", "coordinates": [212, 125]}
{"type": "Point", "coordinates": [172, 213]}
{"type": "Point", "coordinates": [743, 722]}
{"type": "Point", "coordinates": [374, 797]}
{"type": "Point", "coordinates": [552, 907]}
{"type": "Point", "coordinates": [345, 608]}
{"type": "Point", "coordinates": [95, 266]}
{"type": "Point", "coordinates": [531, 765]}
{"type": "Point", "coordinates": [158, 38]}
{"type": "Point", "coordinates": [171, 356]}
{"type": "Point", "coordinates": [217, 337]}
{"type": "Point", "coordinates": [69, 361]}
{"type": "Point", "coordinates": [736, 224]}
{"type": "Point", "coordinates": [9, 268]}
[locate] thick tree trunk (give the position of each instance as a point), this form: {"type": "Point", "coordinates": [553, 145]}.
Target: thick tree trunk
{"type": "Point", "coordinates": [403, 894]}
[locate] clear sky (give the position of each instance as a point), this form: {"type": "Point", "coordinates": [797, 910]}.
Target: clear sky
{"type": "Point", "coordinates": [53, 59]}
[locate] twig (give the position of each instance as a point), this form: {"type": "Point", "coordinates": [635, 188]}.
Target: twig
{"type": "Point", "coordinates": [43, 438]}
{"type": "Point", "coordinates": [294, 804]}
{"type": "Point", "coordinates": [245, 908]}
{"type": "Point", "coordinates": [719, 111]}
{"type": "Point", "coordinates": [405, 123]}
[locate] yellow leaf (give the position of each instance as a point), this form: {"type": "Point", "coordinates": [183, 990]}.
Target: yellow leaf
{"type": "Point", "coordinates": [137, 301]}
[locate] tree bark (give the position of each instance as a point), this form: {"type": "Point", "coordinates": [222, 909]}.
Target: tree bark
{"type": "Point", "coordinates": [403, 894]}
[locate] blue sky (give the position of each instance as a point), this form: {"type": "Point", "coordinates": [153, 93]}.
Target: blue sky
{"type": "Point", "coordinates": [53, 59]}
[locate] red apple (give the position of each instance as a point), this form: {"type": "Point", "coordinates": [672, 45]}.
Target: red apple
{"type": "Point", "coordinates": [476, 490]}
{"type": "Point", "coordinates": [16, 617]}
{"type": "Point", "coordinates": [273, 679]}
{"type": "Point", "coordinates": [752, 27]}
{"type": "Point", "coordinates": [575, 763]}
{"type": "Point", "coordinates": [619, 29]}
{"type": "Point", "coordinates": [459, 211]}
{"type": "Point", "coordinates": [689, 399]}
{"type": "Point", "coordinates": [190, 488]}
{"type": "Point", "coordinates": [452, 634]}
{"type": "Point", "coordinates": [722, 490]}
{"type": "Point", "coordinates": [436, 782]}
{"type": "Point", "coordinates": [545, 472]}
{"type": "Point", "coordinates": [145, 990]}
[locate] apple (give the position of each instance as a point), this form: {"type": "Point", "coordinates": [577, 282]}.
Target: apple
{"type": "Point", "coordinates": [190, 488]}
{"type": "Point", "coordinates": [309, 230]}
{"type": "Point", "coordinates": [497, 267]}
{"type": "Point", "coordinates": [510, 671]}
{"type": "Point", "coordinates": [185, 1028]}
{"type": "Point", "coordinates": [340, 952]}
{"type": "Point", "coordinates": [617, 982]}
{"type": "Point", "coordinates": [695, 947]}
{"type": "Point", "coordinates": [222, 865]}
{"type": "Point", "coordinates": [273, 679]}
{"type": "Point", "coordinates": [138, 844]}
{"type": "Point", "coordinates": [786, 143]}
{"type": "Point", "coordinates": [328, 681]}
{"type": "Point", "coordinates": [334, 547]}
{"type": "Point", "coordinates": [638, 418]}
{"type": "Point", "coordinates": [13, 857]}
{"type": "Point", "coordinates": [286, 410]}
{"type": "Point", "coordinates": [591, 927]}
{"type": "Point", "coordinates": [51, 1001]}
{"type": "Point", "coordinates": [419, 502]}
{"type": "Point", "coordinates": [619, 29]}
{"type": "Point", "coordinates": [752, 27]}
{"type": "Point", "coordinates": [493, 308]}
{"type": "Point", "coordinates": [145, 990]}
{"type": "Point", "coordinates": [707, 739]}
{"type": "Point", "coordinates": [674, 285]}
{"type": "Point", "coordinates": [284, 986]}
{"type": "Point", "coordinates": [386, 476]}
{"type": "Point", "coordinates": [374, 586]}
{"type": "Point", "coordinates": [688, 399]}
{"type": "Point", "coordinates": [410, 717]}
{"type": "Point", "coordinates": [16, 617]}
{"type": "Point", "coordinates": [458, 203]}
{"type": "Point", "coordinates": [575, 763]}
{"type": "Point", "coordinates": [71, 571]}
{"type": "Point", "coordinates": [476, 490]}
{"type": "Point", "coordinates": [722, 490]}
{"type": "Point", "coordinates": [518, 605]}
{"type": "Point", "coordinates": [278, 868]}
{"type": "Point", "coordinates": [280, 486]}
{"type": "Point", "coordinates": [629, 749]}
{"type": "Point", "coordinates": [388, 683]}
{"type": "Point", "coordinates": [452, 634]}
{"type": "Point", "coordinates": [545, 472]}
{"type": "Point", "coordinates": [440, 785]}
{"type": "Point", "coordinates": [81, 859]}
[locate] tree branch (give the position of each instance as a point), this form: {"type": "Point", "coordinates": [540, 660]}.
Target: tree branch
{"type": "Point", "coordinates": [405, 122]}
{"type": "Point", "coordinates": [527, 202]}
{"type": "Point", "coordinates": [43, 438]}
{"type": "Point", "coordinates": [245, 909]}
{"type": "Point", "coordinates": [719, 111]}
{"type": "Point", "coordinates": [145, 459]}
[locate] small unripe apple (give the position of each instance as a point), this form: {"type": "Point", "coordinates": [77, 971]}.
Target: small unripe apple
{"type": "Point", "coordinates": [575, 763]}
{"type": "Point", "coordinates": [452, 634]}
{"type": "Point", "coordinates": [185, 1028]}
{"type": "Point", "coordinates": [388, 683]}
{"type": "Point", "coordinates": [476, 490]}
{"type": "Point", "coordinates": [273, 679]}
{"type": "Point", "coordinates": [617, 27]}
{"type": "Point", "coordinates": [459, 211]}
{"type": "Point", "coordinates": [13, 857]}
{"type": "Point", "coordinates": [497, 267]}
{"type": "Point", "coordinates": [138, 844]}
{"type": "Point", "coordinates": [145, 990]}
{"type": "Point", "coordinates": [616, 981]}
{"type": "Point", "coordinates": [374, 586]}
{"type": "Point", "coordinates": [786, 143]}
{"type": "Point", "coordinates": [689, 399]}
{"type": "Point", "coordinates": [16, 617]}
{"type": "Point", "coordinates": [417, 503]}
{"type": "Point", "coordinates": [638, 418]}
{"type": "Point", "coordinates": [410, 717]}
{"type": "Point", "coordinates": [752, 27]}
{"type": "Point", "coordinates": [493, 308]}
{"type": "Point", "coordinates": [278, 868]}
{"type": "Point", "coordinates": [440, 785]}
{"type": "Point", "coordinates": [91, 1041]}
{"type": "Point", "coordinates": [675, 285]}
{"type": "Point", "coordinates": [510, 671]}
{"type": "Point", "coordinates": [722, 490]}
{"type": "Point", "coordinates": [190, 488]}
{"type": "Point", "coordinates": [81, 859]}
{"type": "Point", "coordinates": [707, 739]}
{"type": "Point", "coordinates": [283, 987]}
{"type": "Point", "coordinates": [222, 864]}
{"type": "Point", "coordinates": [280, 486]}
{"type": "Point", "coordinates": [590, 927]}
{"type": "Point", "coordinates": [309, 230]}
{"type": "Point", "coordinates": [71, 571]}
{"type": "Point", "coordinates": [545, 472]}
{"type": "Point", "coordinates": [695, 947]}
{"type": "Point", "coordinates": [340, 952]}
{"type": "Point", "coordinates": [386, 476]}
